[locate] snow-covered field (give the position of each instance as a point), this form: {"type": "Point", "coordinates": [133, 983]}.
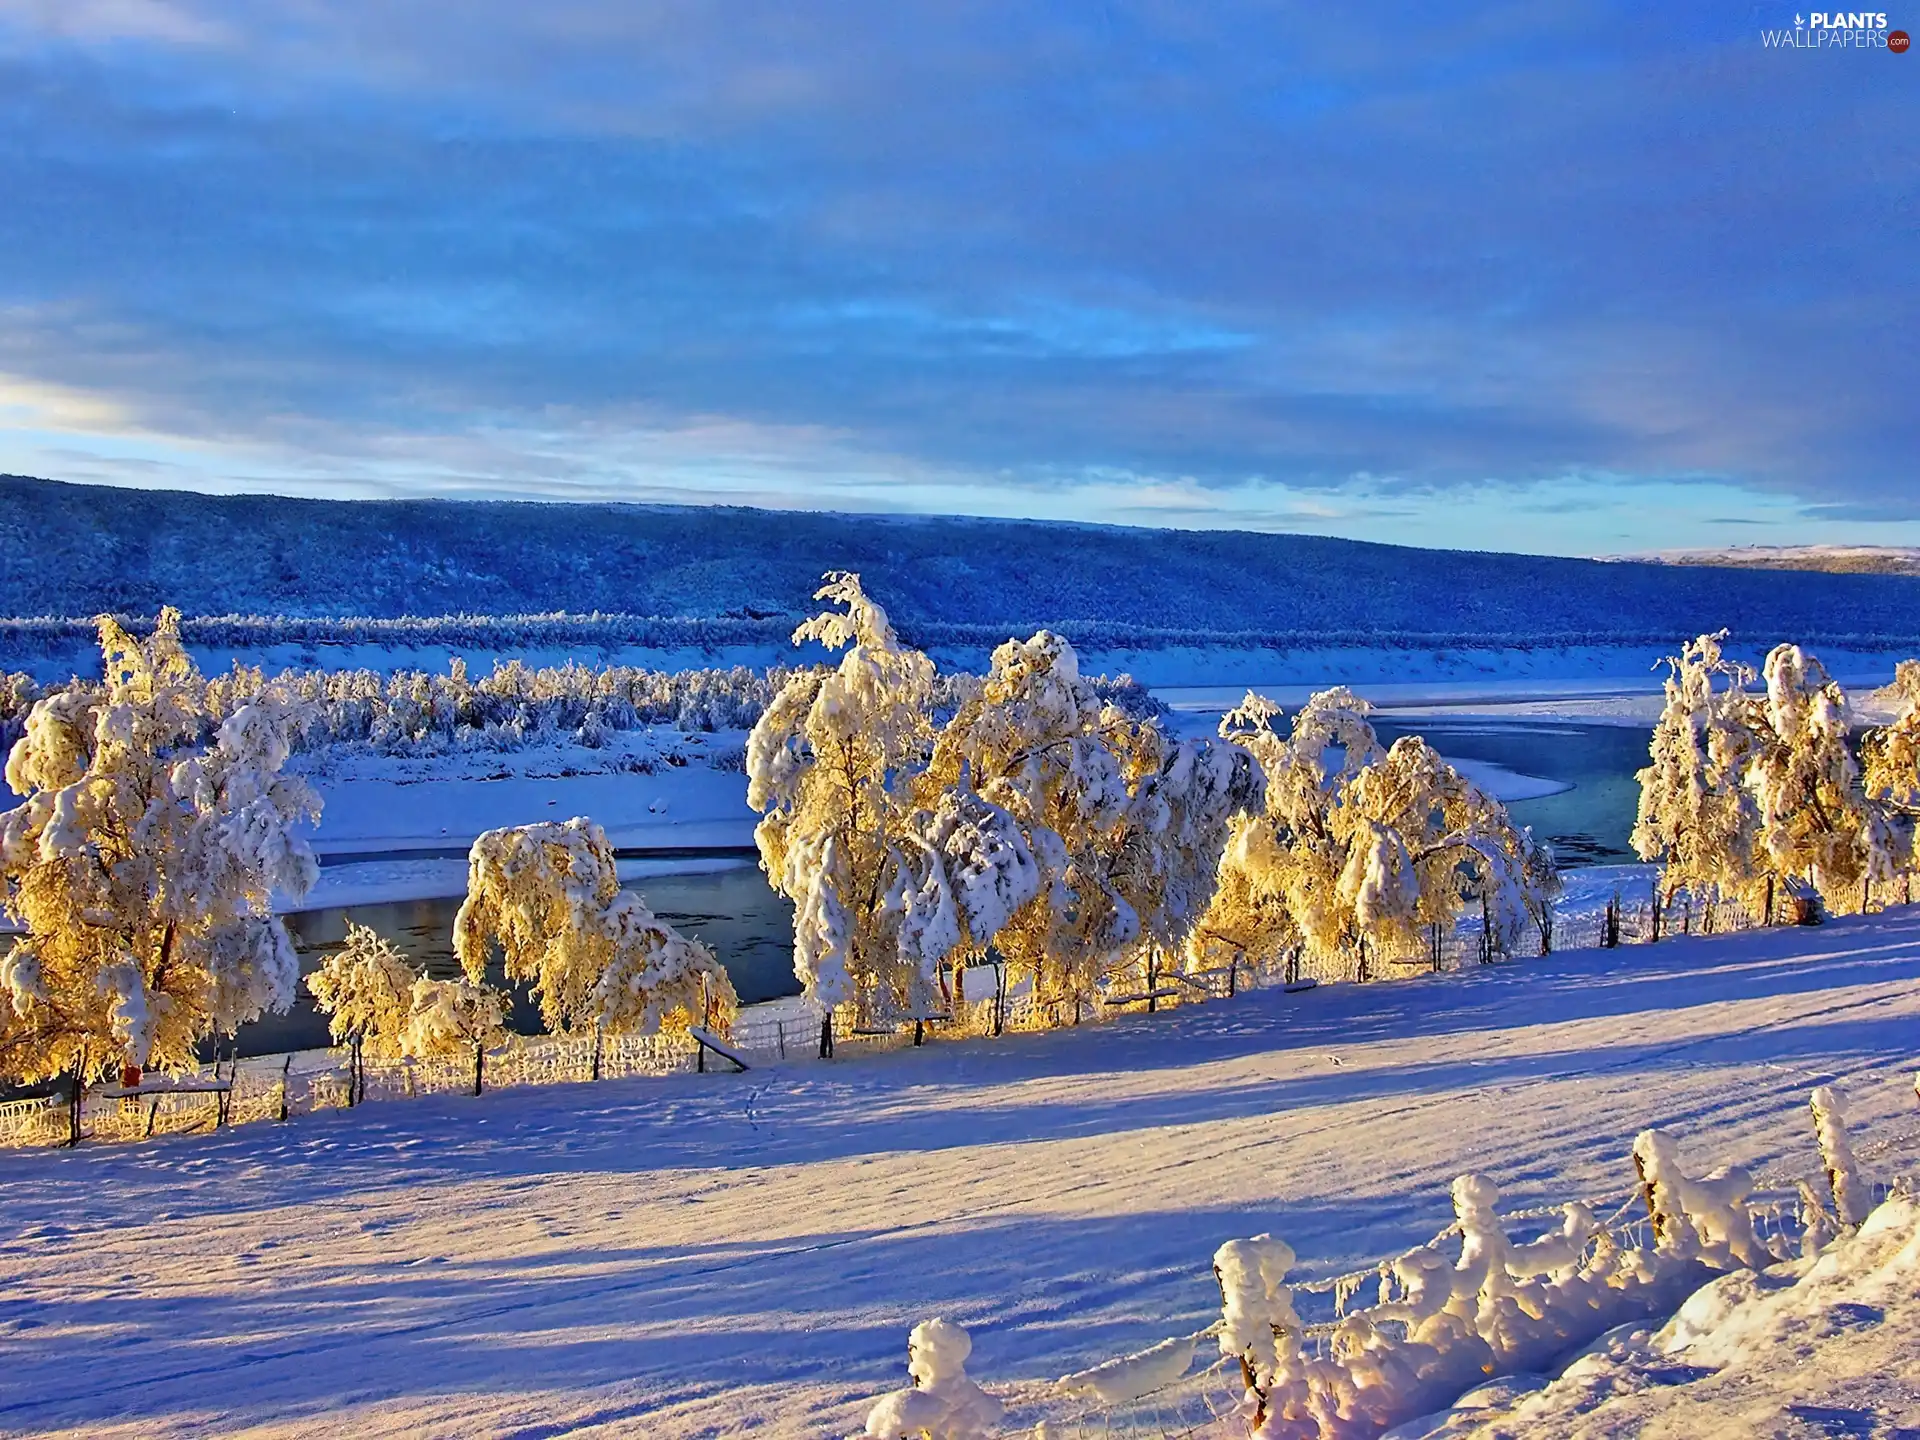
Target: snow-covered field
{"type": "Point", "coordinates": [720, 1254]}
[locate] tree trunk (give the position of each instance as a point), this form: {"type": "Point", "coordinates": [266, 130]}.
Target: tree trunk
{"type": "Point", "coordinates": [1233, 974]}
{"type": "Point", "coordinates": [1769, 912]}
{"type": "Point", "coordinates": [596, 1050]}
{"type": "Point", "coordinates": [77, 1097]}
{"type": "Point", "coordinates": [1153, 979]}
{"type": "Point", "coordinates": [479, 1065]}
{"type": "Point", "coordinates": [826, 1036]}
{"type": "Point", "coordinates": [356, 1085]}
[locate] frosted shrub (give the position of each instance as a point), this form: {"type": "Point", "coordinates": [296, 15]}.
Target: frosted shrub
{"type": "Point", "coordinates": [1361, 850]}
{"type": "Point", "coordinates": [452, 1018]}
{"type": "Point", "coordinates": [142, 864]}
{"type": "Point", "coordinates": [942, 1403]}
{"type": "Point", "coordinates": [598, 959]}
{"type": "Point", "coordinates": [365, 989]}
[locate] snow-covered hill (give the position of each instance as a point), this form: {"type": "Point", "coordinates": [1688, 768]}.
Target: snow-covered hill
{"type": "Point", "coordinates": [713, 1254]}
{"type": "Point", "coordinates": [703, 577]}
{"type": "Point", "coordinates": [1833, 559]}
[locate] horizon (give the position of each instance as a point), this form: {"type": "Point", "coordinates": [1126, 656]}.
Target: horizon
{"type": "Point", "coordinates": [1600, 283]}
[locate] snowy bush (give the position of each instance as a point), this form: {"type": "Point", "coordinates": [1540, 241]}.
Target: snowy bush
{"type": "Point", "coordinates": [1446, 1321]}
{"type": "Point", "coordinates": [1750, 791]}
{"type": "Point", "coordinates": [598, 959]}
{"type": "Point", "coordinates": [365, 989]}
{"type": "Point", "coordinates": [942, 1403]}
{"type": "Point", "coordinates": [1363, 851]}
{"type": "Point", "coordinates": [449, 1018]}
{"type": "Point", "coordinates": [141, 864]}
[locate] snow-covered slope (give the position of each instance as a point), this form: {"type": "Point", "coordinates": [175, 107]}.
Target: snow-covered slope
{"type": "Point", "coordinates": [710, 1254]}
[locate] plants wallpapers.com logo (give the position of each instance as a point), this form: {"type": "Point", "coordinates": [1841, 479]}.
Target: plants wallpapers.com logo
{"type": "Point", "coordinates": [1838, 30]}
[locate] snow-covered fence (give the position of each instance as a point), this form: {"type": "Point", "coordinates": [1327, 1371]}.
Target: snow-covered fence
{"type": "Point", "coordinates": [1302, 1360]}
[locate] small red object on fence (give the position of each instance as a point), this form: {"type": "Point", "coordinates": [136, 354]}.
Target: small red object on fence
{"type": "Point", "coordinates": [129, 1077]}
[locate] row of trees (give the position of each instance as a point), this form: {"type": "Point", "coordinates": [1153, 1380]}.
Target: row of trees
{"type": "Point", "coordinates": [427, 713]}
{"type": "Point", "coordinates": [1750, 790]}
{"type": "Point", "coordinates": [1091, 851]}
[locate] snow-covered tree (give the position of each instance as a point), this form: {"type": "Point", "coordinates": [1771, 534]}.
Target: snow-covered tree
{"type": "Point", "coordinates": [1039, 741]}
{"type": "Point", "coordinates": [1698, 817]}
{"type": "Point", "coordinates": [365, 989]}
{"type": "Point", "coordinates": [448, 1018]}
{"type": "Point", "coordinates": [891, 872]}
{"type": "Point", "coordinates": [1815, 820]}
{"type": "Point", "coordinates": [549, 897]}
{"type": "Point", "coordinates": [1890, 754]}
{"type": "Point", "coordinates": [141, 865]}
{"type": "Point", "coordinates": [825, 767]}
{"type": "Point", "coordinates": [1166, 852]}
{"type": "Point", "coordinates": [1361, 850]}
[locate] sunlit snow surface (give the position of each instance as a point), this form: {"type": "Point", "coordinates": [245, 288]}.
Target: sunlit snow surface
{"type": "Point", "coordinates": [681, 1257]}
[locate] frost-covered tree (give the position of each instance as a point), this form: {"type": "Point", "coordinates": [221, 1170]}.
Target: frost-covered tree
{"type": "Point", "coordinates": [1038, 740]}
{"type": "Point", "coordinates": [365, 989]}
{"type": "Point", "coordinates": [1890, 754]}
{"type": "Point", "coordinates": [1815, 819]}
{"type": "Point", "coordinates": [1360, 850]}
{"type": "Point", "coordinates": [598, 959]}
{"type": "Point", "coordinates": [1890, 765]}
{"type": "Point", "coordinates": [1748, 789]}
{"type": "Point", "coordinates": [141, 865]}
{"type": "Point", "coordinates": [1698, 817]}
{"type": "Point", "coordinates": [1166, 853]}
{"type": "Point", "coordinates": [448, 1018]}
{"type": "Point", "coordinates": [891, 873]}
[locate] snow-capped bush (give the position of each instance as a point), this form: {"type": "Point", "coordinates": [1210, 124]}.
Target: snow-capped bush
{"type": "Point", "coordinates": [1851, 1196]}
{"type": "Point", "coordinates": [365, 989]}
{"type": "Point", "coordinates": [141, 864]}
{"type": "Point", "coordinates": [1750, 791]}
{"type": "Point", "coordinates": [451, 1018]}
{"type": "Point", "coordinates": [549, 897]}
{"type": "Point", "coordinates": [942, 1403]}
{"type": "Point", "coordinates": [1445, 1323]}
{"type": "Point", "coordinates": [1363, 851]}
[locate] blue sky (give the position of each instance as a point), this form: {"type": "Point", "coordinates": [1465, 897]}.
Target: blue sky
{"type": "Point", "coordinates": [1576, 278]}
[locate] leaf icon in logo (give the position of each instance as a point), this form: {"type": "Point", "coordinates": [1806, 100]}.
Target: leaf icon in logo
{"type": "Point", "coordinates": [1798, 20]}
